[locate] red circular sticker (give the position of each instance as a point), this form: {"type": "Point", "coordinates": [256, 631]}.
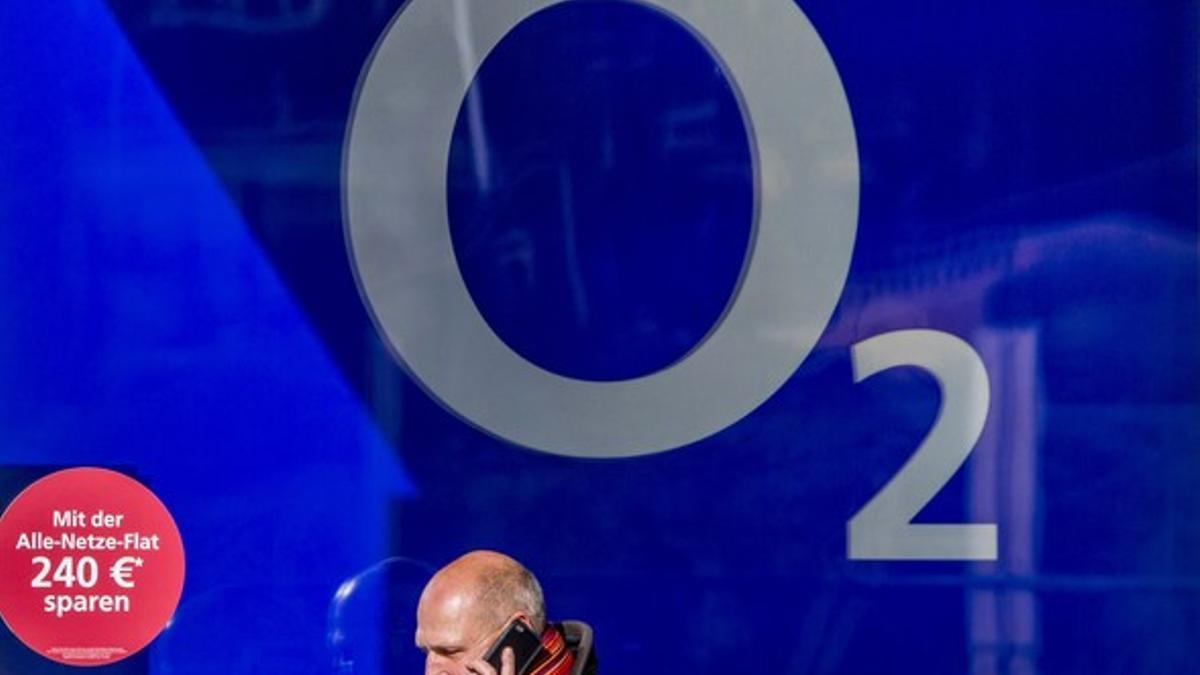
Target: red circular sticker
{"type": "Point", "coordinates": [91, 566]}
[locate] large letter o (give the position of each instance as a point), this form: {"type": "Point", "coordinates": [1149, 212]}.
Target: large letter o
{"type": "Point", "coordinates": [806, 207]}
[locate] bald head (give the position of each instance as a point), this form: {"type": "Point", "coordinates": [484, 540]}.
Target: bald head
{"type": "Point", "coordinates": [473, 597]}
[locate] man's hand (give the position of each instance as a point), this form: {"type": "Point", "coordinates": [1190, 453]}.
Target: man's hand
{"type": "Point", "coordinates": [507, 665]}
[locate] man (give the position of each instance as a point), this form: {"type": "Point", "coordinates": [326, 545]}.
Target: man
{"type": "Point", "coordinates": [468, 604]}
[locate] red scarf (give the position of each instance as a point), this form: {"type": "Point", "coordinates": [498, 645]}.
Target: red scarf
{"type": "Point", "coordinates": [555, 658]}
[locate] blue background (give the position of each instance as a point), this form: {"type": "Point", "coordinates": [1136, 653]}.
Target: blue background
{"type": "Point", "coordinates": [176, 301]}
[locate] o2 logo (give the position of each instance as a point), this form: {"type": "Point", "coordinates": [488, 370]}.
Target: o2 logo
{"type": "Point", "coordinates": [805, 165]}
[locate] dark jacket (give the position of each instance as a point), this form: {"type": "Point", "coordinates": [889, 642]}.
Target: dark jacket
{"type": "Point", "coordinates": [578, 636]}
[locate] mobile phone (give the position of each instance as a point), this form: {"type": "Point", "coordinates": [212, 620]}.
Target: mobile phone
{"type": "Point", "coordinates": [525, 645]}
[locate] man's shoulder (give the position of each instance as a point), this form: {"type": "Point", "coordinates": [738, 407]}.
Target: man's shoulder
{"type": "Point", "coordinates": [578, 636]}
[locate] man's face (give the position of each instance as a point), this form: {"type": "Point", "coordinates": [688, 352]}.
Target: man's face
{"type": "Point", "coordinates": [452, 629]}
